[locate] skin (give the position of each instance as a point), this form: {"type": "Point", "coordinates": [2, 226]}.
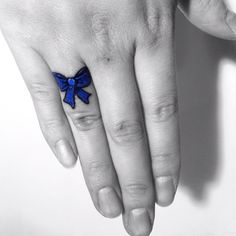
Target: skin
{"type": "Point", "coordinates": [127, 137]}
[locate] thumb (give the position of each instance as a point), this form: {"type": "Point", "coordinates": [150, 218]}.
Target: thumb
{"type": "Point", "coordinates": [211, 16]}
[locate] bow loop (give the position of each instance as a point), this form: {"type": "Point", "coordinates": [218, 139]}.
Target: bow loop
{"type": "Point", "coordinates": [83, 78]}
{"type": "Point", "coordinates": [61, 81]}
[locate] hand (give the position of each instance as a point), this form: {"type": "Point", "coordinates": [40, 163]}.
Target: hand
{"type": "Point", "coordinates": [128, 135]}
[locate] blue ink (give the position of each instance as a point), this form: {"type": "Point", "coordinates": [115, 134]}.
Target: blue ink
{"type": "Point", "coordinates": [74, 86]}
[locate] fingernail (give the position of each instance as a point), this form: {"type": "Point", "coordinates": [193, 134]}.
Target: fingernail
{"type": "Point", "coordinates": [139, 222]}
{"type": "Point", "coordinates": [166, 189]}
{"type": "Point", "coordinates": [231, 20]}
{"type": "Point", "coordinates": [109, 202]}
{"type": "Point", "coordinates": [65, 153]}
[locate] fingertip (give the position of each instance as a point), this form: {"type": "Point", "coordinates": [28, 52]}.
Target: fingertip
{"type": "Point", "coordinates": [218, 20]}
{"type": "Point", "coordinates": [70, 165]}
{"type": "Point", "coordinates": [110, 205]}
{"type": "Point", "coordinates": [139, 222]}
{"type": "Point", "coordinates": [65, 154]}
{"type": "Point", "coordinates": [166, 189]}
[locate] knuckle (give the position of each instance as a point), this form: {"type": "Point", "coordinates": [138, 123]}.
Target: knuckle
{"type": "Point", "coordinates": [85, 122]}
{"type": "Point", "coordinates": [150, 40]}
{"type": "Point", "coordinates": [101, 30]}
{"type": "Point", "coordinates": [135, 190]}
{"type": "Point", "coordinates": [164, 109]}
{"type": "Point", "coordinates": [42, 92]}
{"type": "Point", "coordinates": [150, 35]}
{"type": "Point", "coordinates": [106, 39]}
{"type": "Point", "coordinates": [97, 173]}
{"type": "Point", "coordinates": [165, 164]}
{"type": "Point", "coordinates": [98, 168]}
{"type": "Point", "coordinates": [126, 131]}
{"type": "Point", "coordinates": [158, 25]}
{"type": "Point", "coordinates": [95, 166]}
{"type": "Point", "coordinates": [100, 23]}
{"type": "Point", "coordinates": [160, 157]}
{"type": "Point", "coordinates": [50, 127]}
{"type": "Point", "coordinates": [153, 21]}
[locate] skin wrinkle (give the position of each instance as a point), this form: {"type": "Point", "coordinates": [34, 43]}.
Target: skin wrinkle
{"type": "Point", "coordinates": [126, 132]}
{"type": "Point", "coordinates": [100, 29]}
{"type": "Point", "coordinates": [100, 26]}
{"type": "Point", "coordinates": [154, 24]}
{"type": "Point", "coordinates": [112, 42]}
{"type": "Point", "coordinates": [86, 122]}
{"type": "Point", "coordinates": [153, 18]}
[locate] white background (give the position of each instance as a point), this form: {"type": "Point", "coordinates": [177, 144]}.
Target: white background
{"type": "Point", "coordinates": [40, 198]}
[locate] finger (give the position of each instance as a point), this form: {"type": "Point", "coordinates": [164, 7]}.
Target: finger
{"type": "Point", "coordinates": [98, 169]}
{"type": "Point", "coordinates": [211, 16]}
{"type": "Point", "coordinates": [44, 92]}
{"type": "Point", "coordinates": [154, 67]}
{"type": "Point", "coordinates": [122, 116]}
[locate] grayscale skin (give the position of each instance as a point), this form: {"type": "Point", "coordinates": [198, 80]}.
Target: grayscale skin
{"type": "Point", "coordinates": [127, 137]}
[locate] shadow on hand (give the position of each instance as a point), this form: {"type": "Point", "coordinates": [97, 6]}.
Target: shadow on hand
{"type": "Point", "coordinates": [198, 57]}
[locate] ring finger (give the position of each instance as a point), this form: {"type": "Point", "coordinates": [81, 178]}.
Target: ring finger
{"type": "Point", "coordinates": [83, 111]}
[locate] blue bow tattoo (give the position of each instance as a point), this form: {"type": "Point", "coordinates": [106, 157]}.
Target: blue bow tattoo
{"type": "Point", "coordinates": [74, 86]}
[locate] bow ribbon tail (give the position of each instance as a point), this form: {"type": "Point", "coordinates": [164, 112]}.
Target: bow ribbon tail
{"type": "Point", "coordinates": [70, 96]}
{"type": "Point", "coordinates": [83, 95]}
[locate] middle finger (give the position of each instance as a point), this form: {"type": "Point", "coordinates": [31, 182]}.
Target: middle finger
{"type": "Point", "coordinates": [122, 116]}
